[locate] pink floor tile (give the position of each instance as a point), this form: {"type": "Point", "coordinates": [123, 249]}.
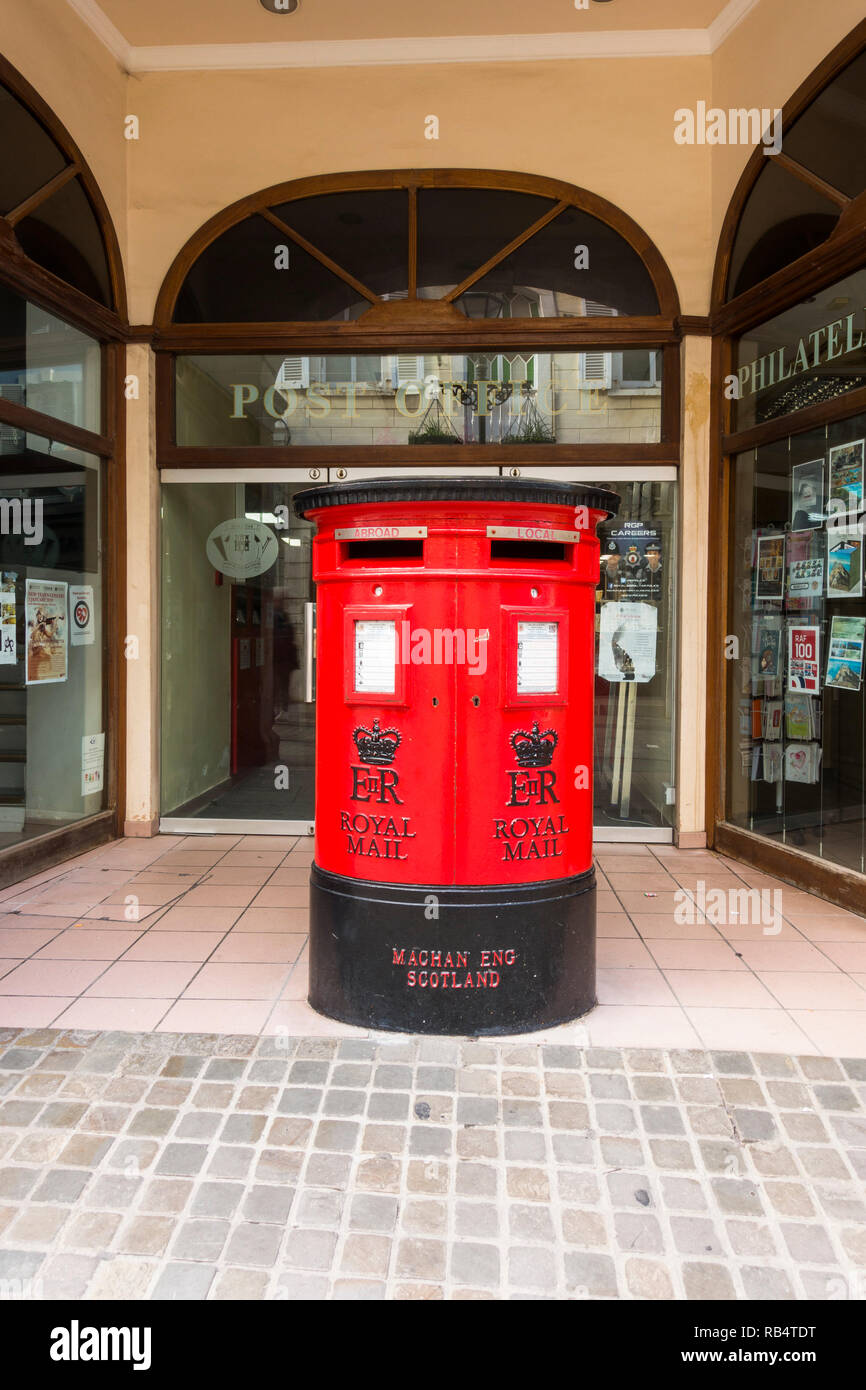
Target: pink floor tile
{"type": "Point", "coordinates": [650, 901]}
{"type": "Point", "coordinates": [206, 841]}
{"type": "Point", "coordinates": [750, 1030]}
{"type": "Point", "coordinates": [284, 895]}
{"type": "Point", "coordinates": [52, 977]}
{"type": "Point", "coordinates": [255, 877]}
{"type": "Point", "coordinates": [258, 843]}
{"type": "Point", "coordinates": [837, 1033]}
{"type": "Point", "coordinates": [637, 882]}
{"type": "Point", "coordinates": [215, 1016]}
{"type": "Point", "coordinates": [833, 929]}
{"type": "Point", "coordinates": [237, 982]}
{"type": "Point", "coordinates": [798, 917]}
{"type": "Point", "coordinates": [848, 955]}
{"type": "Point", "coordinates": [624, 955]}
{"type": "Point", "coordinates": [174, 946]}
{"type": "Point", "coordinates": [125, 1015]}
{"type": "Point", "coordinates": [614, 924]}
{"type": "Point", "coordinates": [128, 912]}
{"type": "Point", "coordinates": [67, 909]}
{"type": "Point", "coordinates": [291, 877]}
{"type": "Point", "coordinates": [7, 965]}
{"type": "Point", "coordinates": [80, 943]}
{"type": "Point", "coordinates": [775, 954]}
{"type": "Point", "coordinates": [143, 980]}
{"type": "Point", "coordinates": [192, 859]}
{"type": "Point", "coordinates": [183, 918]}
{"type": "Point", "coordinates": [250, 859]}
{"type": "Point", "coordinates": [612, 1025]}
{"type": "Point", "coordinates": [148, 894]}
{"type": "Point", "coordinates": [220, 895]}
{"type": "Point", "coordinates": [633, 987]}
{"type": "Point", "coordinates": [247, 947]}
{"type": "Point", "coordinates": [298, 984]}
{"type": "Point", "coordinates": [756, 931]}
{"type": "Point", "coordinates": [695, 955]}
{"type": "Point", "coordinates": [287, 919]}
{"type": "Point", "coordinates": [295, 1018]}
{"type": "Point", "coordinates": [723, 989]}
{"type": "Point", "coordinates": [814, 990]}
{"type": "Point", "coordinates": [14, 942]}
{"type": "Point", "coordinates": [28, 1011]}
{"type": "Point", "coordinates": [662, 927]}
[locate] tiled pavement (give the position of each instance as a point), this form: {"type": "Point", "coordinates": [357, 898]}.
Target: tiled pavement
{"type": "Point", "coordinates": [208, 934]}
{"type": "Point", "coordinates": [188, 1166]}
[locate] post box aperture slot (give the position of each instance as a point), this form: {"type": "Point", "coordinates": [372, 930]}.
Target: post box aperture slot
{"type": "Point", "coordinates": [375, 550]}
{"type": "Point", "coordinates": [545, 551]}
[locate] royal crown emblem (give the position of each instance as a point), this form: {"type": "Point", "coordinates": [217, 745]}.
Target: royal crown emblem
{"type": "Point", "coordinates": [377, 745]}
{"type": "Point", "coordinates": [534, 749]}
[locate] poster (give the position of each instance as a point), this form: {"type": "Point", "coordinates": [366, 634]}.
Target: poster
{"type": "Point", "coordinates": [807, 494]}
{"type": "Point", "coordinates": [244, 649]}
{"type": "Point", "coordinates": [45, 615]}
{"type": "Point", "coordinates": [771, 567]}
{"type": "Point", "coordinates": [846, 474]}
{"type": "Point", "coordinates": [844, 563]}
{"type": "Point", "coordinates": [81, 615]}
{"type": "Point", "coordinates": [805, 571]}
{"type": "Point", "coordinates": [92, 763]}
{"type": "Point", "coordinates": [8, 615]}
{"type": "Point", "coordinates": [627, 642]}
{"type": "Point", "coordinates": [804, 659]}
{"type": "Point", "coordinates": [631, 563]}
{"type": "Point", "coordinates": [768, 648]}
{"type": "Point", "coordinates": [845, 653]}
{"type": "Point", "coordinates": [260, 651]}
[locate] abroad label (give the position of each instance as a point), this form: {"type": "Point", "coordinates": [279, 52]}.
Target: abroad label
{"type": "Point", "coordinates": [379, 533]}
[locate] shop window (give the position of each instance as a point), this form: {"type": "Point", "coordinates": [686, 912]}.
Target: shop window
{"type": "Point", "coordinates": [830, 137]}
{"type": "Point", "coordinates": [267, 400]}
{"type": "Point", "coordinates": [782, 220]}
{"type": "Point", "coordinates": [796, 756]}
{"type": "Point", "coordinates": [48, 364]}
{"type": "Point", "coordinates": [52, 729]}
{"type": "Point", "coordinates": [32, 157]}
{"type": "Point", "coordinates": [362, 239]}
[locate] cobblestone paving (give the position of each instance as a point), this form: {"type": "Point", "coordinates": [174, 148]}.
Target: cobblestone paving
{"type": "Point", "coordinates": [198, 1166]}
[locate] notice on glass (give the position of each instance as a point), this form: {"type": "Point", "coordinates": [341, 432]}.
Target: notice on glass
{"type": "Point", "coordinates": [628, 634]}
{"type": "Point", "coordinates": [81, 611]}
{"type": "Point", "coordinates": [47, 638]}
{"type": "Point", "coordinates": [92, 763]}
{"type": "Point", "coordinates": [244, 650]}
{"type": "Point", "coordinates": [537, 658]}
{"type": "Point", "coordinates": [260, 651]}
{"type": "Point", "coordinates": [804, 659]}
{"type": "Point", "coordinates": [845, 654]}
{"type": "Point", "coordinates": [375, 656]}
{"type": "Point", "coordinates": [8, 617]}
{"type": "Point", "coordinates": [771, 567]}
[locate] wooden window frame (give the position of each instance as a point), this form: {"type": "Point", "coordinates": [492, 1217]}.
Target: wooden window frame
{"type": "Point", "coordinates": [843, 253]}
{"type": "Point", "coordinates": [110, 328]}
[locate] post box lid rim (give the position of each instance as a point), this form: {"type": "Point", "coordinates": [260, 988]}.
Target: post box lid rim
{"type": "Point", "coordinates": [546, 491]}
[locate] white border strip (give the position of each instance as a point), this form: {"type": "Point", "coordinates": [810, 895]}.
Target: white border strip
{"type": "Point", "coordinates": [391, 52]}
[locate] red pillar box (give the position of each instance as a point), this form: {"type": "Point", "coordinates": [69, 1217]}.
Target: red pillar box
{"type": "Point", "coordinates": [453, 889]}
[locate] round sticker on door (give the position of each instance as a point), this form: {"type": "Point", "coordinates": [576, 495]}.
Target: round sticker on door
{"type": "Point", "coordinates": [242, 548]}
{"type": "Point", "coordinates": [81, 614]}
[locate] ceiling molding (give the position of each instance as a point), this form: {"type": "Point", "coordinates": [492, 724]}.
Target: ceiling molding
{"type": "Point", "coordinates": [97, 20]}
{"type": "Point", "coordinates": [388, 52]}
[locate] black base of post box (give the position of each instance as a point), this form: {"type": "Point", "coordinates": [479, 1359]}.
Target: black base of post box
{"type": "Point", "coordinates": [466, 961]}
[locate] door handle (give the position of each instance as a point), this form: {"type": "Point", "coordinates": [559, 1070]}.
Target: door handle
{"type": "Point", "coordinates": [309, 650]}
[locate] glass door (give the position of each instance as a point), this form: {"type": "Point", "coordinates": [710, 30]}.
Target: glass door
{"type": "Point", "coordinates": [238, 635]}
